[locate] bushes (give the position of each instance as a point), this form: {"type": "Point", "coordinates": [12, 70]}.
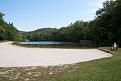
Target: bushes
{"type": "Point", "coordinates": [87, 43]}
{"type": "Point", "coordinates": [7, 30]}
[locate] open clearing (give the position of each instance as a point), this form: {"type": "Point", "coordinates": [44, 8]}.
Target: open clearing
{"type": "Point", "coordinates": [16, 56]}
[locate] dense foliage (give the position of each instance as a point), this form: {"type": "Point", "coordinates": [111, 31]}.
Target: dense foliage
{"type": "Point", "coordinates": [7, 30]}
{"type": "Point", "coordinates": [107, 28]}
{"type": "Point", "coordinates": [73, 33]}
{"type": "Point", "coordinates": [39, 35]}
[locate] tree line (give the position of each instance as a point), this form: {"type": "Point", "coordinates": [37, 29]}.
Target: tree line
{"type": "Point", "coordinates": [7, 30]}
{"type": "Point", "coordinates": [102, 31]}
{"type": "Point", "coordinates": [107, 24]}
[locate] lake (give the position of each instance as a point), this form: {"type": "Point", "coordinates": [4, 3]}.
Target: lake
{"type": "Point", "coordinates": [43, 43]}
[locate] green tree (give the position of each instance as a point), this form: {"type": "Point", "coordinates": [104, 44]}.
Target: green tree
{"type": "Point", "coordinates": [7, 30]}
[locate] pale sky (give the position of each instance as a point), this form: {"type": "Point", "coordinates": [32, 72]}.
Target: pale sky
{"type": "Point", "coordinates": [28, 15]}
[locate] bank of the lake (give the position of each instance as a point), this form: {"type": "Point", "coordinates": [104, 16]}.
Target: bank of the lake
{"type": "Point", "coordinates": [53, 44]}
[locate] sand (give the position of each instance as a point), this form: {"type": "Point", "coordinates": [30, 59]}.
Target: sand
{"type": "Point", "coordinates": [16, 56]}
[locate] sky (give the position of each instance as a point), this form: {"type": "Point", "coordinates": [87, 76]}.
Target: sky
{"type": "Point", "coordinates": [28, 15]}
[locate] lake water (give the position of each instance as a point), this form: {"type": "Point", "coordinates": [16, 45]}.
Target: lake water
{"type": "Point", "coordinates": [44, 42]}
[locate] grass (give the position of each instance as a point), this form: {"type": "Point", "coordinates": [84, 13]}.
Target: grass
{"type": "Point", "coordinates": [1, 41]}
{"type": "Point", "coordinates": [107, 69]}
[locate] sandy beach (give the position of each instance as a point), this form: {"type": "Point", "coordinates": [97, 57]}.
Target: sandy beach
{"type": "Point", "coordinates": [16, 56]}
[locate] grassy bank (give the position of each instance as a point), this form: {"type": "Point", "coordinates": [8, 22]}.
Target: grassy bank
{"type": "Point", "coordinates": [107, 69]}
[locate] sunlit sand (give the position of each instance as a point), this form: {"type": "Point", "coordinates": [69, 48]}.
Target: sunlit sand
{"type": "Point", "coordinates": [16, 56]}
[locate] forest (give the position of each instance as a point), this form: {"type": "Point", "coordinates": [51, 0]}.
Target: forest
{"type": "Point", "coordinates": [102, 31]}
{"type": "Point", "coordinates": [7, 30]}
